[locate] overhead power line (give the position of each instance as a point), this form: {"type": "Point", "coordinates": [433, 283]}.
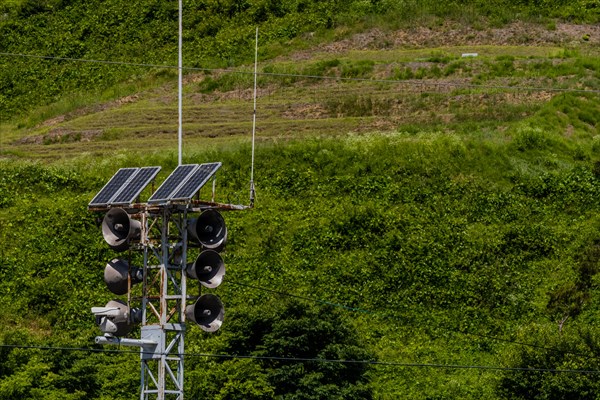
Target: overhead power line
{"type": "Point", "coordinates": [319, 360]}
{"type": "Point", "coordinates": [394, 363]}
{"type": "Point", "coordinates": [302, 76]}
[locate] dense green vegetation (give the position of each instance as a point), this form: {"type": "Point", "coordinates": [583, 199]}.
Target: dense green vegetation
{"type": "Point", "coordinates": [442, 250]}
{"type": "Point", "coordinates": [416, 234]}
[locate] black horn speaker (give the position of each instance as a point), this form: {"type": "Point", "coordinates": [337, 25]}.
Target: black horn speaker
{"type": "Point", "coordinates": [208, 268]}
{"type": "Point", "coordinates": [119, 229]}
{"type": "Point", "coordinates": [207, 312]}
{"type": "Point", "coordinates": [209, 230]}
{"type": "Point", "coordinates": [116, 276]}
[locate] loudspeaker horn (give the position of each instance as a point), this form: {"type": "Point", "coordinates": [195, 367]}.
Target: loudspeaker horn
{"type": "Point", "coordinates": [207, 312]}
{"type": "Point", "coordinates": [119, 229]}
{"type": "Point", "coordinates": [116, 275]}
{"type": "Point", "coordinates": [208, 268]}
{"type": "Point", "coordinates": [209, 230]}
{"type": "Point", "coordinates": [116, 318]}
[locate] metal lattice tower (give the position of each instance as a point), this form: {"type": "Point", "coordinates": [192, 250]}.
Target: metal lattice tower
{"type": "Point", "coordinates": [162, 230]}
{"type": "Point", "coordinates": [163, 304]}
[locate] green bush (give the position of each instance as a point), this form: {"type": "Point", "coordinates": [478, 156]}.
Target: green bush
{"type": "Point", "coordinates": [528, 138]}
{"type": "Point", "coordinates": [553, 352]}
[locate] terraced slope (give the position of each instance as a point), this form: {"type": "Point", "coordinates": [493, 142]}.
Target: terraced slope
{"type": "Point", "coordinates": [375, 81]}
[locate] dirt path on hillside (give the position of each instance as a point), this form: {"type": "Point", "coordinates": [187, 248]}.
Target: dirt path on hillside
{"type": "Point", "coordinates": [453, 34]}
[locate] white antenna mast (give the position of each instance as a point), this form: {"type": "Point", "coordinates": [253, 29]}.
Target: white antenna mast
{"type": "Point", "coordinates": [180, 83]}
{"type": "Point", "coordinates": [252, 192]}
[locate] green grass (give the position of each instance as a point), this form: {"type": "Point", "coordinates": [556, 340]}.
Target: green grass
{"type": "Point", "coordinates": [442, 236]}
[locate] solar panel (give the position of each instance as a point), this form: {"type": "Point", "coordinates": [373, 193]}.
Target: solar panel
{"type": "Point", "coordinates": [132, 189]}
{"type": "Point", "coordinates": [195, 181]}
{"type": "Point", "coordinates": [163, 193]}
{"type": "Point", "coordinates": [112, 187]}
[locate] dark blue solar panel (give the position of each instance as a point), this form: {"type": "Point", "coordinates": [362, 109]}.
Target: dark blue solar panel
{"type": "Point", "coordinates": [112, 187]}
{"type": "Point", "coordinates": [163, 193]}
{"type": "Point", "coordinates": [135, 185]}
{"type": "Point", "coordinates": [195, 181]}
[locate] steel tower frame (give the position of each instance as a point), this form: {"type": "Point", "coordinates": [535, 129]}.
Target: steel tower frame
{"type": "Point", "coordinates": [164, 243]}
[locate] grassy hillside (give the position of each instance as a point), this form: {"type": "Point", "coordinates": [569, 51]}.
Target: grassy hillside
{"type": "Point", "coordinates": [217, 34]}
{"type": "Point", "coordinates": [430, 215]}
{"type": "Point", "coordinates": [442, 250]}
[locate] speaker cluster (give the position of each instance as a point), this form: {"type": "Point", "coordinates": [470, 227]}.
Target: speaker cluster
{"type": "Point", "coordinates": [207, 231]}
{"type": "Point", "coordinates": [210, 232]}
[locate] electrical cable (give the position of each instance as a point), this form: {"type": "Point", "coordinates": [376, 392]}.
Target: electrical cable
{"type": "Point", "coordinates": [394, 363]}
{"type": "Point", "coordinates": [301, 76]}
{"type": "Point", "coordinates": [63, 348]}
{"type": "Point", "coordinates": [316, 360]}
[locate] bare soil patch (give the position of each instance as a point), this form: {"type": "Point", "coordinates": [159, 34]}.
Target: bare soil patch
{"type": "Point", "coordinates": [454, 34]}
{"type": "Point", "coordinates": [61, 135]}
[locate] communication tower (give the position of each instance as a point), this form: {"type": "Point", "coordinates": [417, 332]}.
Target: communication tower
{"type": "Point", "coordinates": [172, 224]}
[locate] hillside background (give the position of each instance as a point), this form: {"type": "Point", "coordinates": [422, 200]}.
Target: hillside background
{"type": "Point", "coordinates": [430, 218]}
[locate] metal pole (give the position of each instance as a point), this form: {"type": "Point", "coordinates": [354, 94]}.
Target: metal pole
{"type": "Point", "coordinates": [252, 193]}
{"type": "Point", "coordinates": [143, 363]}
{"type": "Point", "coordinates": [182, 302]}
{"type": "Point", "coordinates": [164, 290]}
{"type": "Point", "coordinates": [124, 341]}
{"type": "Point", "coordinates": [180, 83]}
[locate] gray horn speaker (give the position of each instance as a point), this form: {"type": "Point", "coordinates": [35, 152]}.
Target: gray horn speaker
{"type": "Point", "coordinates": [119, 229]}
{"type": "Point", "coordinates": [116, 318]}
{"type": "Point", "coordinates": [207, 312]}
{"type": "Point", "coordinates": [209, 230]}
{"type": "Point", "coordinates": [208, 268]}
{"type": "Point", "coordinates": [116, 276]}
